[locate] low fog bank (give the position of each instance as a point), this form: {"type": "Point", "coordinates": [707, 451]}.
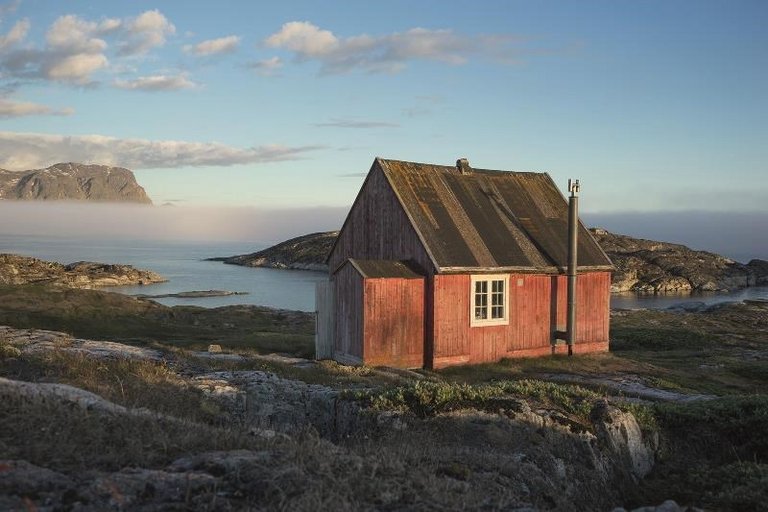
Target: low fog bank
{"type": "Point", "coordinates": [741, 236]}
{"type": "Point", "coordinates": [738, 235]}
{"type": "Point", "coordinates": [173, 223]}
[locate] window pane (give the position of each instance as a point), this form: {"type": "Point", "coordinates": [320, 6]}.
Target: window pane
{"type": "Point", "coordinates": [497, 312]}
{"type": "Point", "coordinates": [481, 313]}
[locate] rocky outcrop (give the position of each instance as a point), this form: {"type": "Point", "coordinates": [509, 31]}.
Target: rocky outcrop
{"type": "Point", "coordinates": [73, 181]}
{"type": "Point", "coordinates": [306, 252]}
{"type": "Point", "coordinates": [18, 270]}
{"type": "Point", "coordinates": [641, 265]}
{"type": "Point", "coordinates": [661, 267]}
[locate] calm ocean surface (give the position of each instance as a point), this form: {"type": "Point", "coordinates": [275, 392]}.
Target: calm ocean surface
{"type": "Point", "coordinates": [182, 264]}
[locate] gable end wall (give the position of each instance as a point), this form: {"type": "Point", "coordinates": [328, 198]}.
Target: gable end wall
{"type": "Point", "coordinates": [378, 228]}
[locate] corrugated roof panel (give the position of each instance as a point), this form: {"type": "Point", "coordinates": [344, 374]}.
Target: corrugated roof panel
{"type": "Point", "coordinates": [488, 218]}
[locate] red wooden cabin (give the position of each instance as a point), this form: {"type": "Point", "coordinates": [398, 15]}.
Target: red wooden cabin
{"type": "Point", "coordinates": [440, 265]}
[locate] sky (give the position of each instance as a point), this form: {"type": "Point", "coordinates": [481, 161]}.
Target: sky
{"type": "Point", "coordinates": [656, 106]}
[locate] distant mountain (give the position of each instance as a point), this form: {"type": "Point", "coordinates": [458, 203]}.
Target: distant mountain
{"type": "Point", "coordinates": [73, 181]}
{"type": "Point", "coordinates": [641, 265]}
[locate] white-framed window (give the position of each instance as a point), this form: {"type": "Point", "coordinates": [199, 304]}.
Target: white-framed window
{"type": "Point", "coordinates": [489, 300]}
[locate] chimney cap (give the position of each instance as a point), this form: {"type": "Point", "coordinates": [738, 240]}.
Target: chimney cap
{"type": "Point", "coordinates": [462, 164]}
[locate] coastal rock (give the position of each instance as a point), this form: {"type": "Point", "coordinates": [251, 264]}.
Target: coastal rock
{"type": "Point", "coordinates": [659, 267]}
{"type": "Point", "coordinates": [306, 252]}
{"type": "Point", "coordinates": [646, 266]}
{"type": "Point", "coordinates": [18, 270]}
{"type": "Point", "coordinates": [620, 433]}
{"type": "Point", "coordinates": [73, 181]}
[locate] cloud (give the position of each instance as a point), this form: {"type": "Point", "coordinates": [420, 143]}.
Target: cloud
{"type": "Point", "coordinates": [267, 67]}
{"type": "Point", "coordinates": [76, 48]}
{"type": "Point", "coordinates": [416, 111]}
{"type": "Point", "coordinates": [356, 123]}
{"type": "Point", "coordinates": [9, 108]}
{"type": "Point", "coordinates": [14, 36]}
{"type": "Point", "coordinates": [157, 83]}
{"type": "Point", "coordinates": [214, 46]}
{"type": "Point", "coordinates": [387, 53]}
{"type": "Point", "coordinates": [146, 31]}
{"type": "Point", "coordinates": [20, 151]}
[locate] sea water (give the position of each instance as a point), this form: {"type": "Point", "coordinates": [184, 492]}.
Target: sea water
{"type": "Point", "coordinates": [184, 265]}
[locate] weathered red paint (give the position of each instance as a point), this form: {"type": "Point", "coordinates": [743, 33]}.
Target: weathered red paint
{"type": "Point", "coordinates": [393, 322]}
{"type": "Point", "coordinates": [533, 318]}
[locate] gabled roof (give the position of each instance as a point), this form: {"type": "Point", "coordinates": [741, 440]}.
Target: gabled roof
{"type": "Point", "coordinates": [485, 220]}
{"type": "Point", "coordinates": [384, 268]}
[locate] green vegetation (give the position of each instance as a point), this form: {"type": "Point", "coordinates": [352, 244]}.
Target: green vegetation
{"type": "Point", "coordinates": [111, 316]}
{"type": "Point", "coordinates": [714, 453]}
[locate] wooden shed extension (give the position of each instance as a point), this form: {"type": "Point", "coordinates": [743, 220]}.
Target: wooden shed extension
{"type": "Point", "coordinates": [381, 303]}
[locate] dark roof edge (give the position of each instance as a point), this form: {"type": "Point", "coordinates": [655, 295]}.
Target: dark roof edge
{"type": "Point", "coordinates": [359, 264]}
{"type": "Point", "coordinates": [522, 270]}
{"type": "Point", "coordinates": [380, 161]}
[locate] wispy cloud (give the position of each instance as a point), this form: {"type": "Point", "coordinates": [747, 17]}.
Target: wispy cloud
{"type": "Point", "coordinates": [226, 44]}
{"type": "Point", "coordinates": [267, 67]}
{"type": "Point", "coordinates": [20, 151]}
{"type": "Point", "coordinates": [356, 123]}
{"type": "Point", "coordinates": [157, 83]}
{"type": "Point", "coordinates": [390, 52]}
{"type": "Point", "coordinates": [10, 108]}
{"type": "Point", "coordinates": [15, 35]}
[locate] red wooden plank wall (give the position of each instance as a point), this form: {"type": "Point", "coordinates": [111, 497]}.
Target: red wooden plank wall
{"type": "Point", "coordinates": [394, 322]}
{"type": "Point", "coordinates": [377, 228]}
{"type": "Point", "coordinates": [593, 297]}
{"type": "Point", "coordinates": [533, 317]}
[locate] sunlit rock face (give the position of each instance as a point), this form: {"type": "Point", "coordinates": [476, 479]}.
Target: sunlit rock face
{"type": "Point", "coordinates": [72, 181]}
{"type": "Point", "coordinates": [661, 267]}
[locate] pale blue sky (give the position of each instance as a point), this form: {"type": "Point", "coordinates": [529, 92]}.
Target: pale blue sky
{"type": "Point", "coordinates": [654, 105]}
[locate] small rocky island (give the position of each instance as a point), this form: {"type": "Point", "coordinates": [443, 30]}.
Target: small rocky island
{"type": "Point", "coordinates": [305, 252]}
{"type": "Point", "coordinates": [73, 181]}
{"type": "Point", "coordinates": [19, 270]}
{"type": "Point", "coordinates": [646, 266]}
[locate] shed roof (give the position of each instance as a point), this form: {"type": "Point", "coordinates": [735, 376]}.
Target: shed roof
{"type": "Point", "coordinates": [486, 220]}
{"type": "Point", "coordinates": [384, 268]}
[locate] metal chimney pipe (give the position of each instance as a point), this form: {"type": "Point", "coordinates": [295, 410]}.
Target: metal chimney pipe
{"type": "Point", "coordinates": [573, 234]}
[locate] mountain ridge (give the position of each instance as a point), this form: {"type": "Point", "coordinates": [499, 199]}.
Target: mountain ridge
{"type": "Point", "coordinates": [72, 181]}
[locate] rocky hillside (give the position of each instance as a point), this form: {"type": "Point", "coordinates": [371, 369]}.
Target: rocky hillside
{"type": "Point", "coordinates": [16, 270]}
{"type": "Point", "coordinates": [72, 181]}
{"type": "Point", "coordinates": [651, 266]}
{"type": "Point", "coordinates": [641, 265]}
{"type": "Point", "coordinates": [306, 252]}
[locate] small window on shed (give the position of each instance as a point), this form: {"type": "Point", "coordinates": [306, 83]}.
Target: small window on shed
{"type": "Point", "coordinates": [489, 303]}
